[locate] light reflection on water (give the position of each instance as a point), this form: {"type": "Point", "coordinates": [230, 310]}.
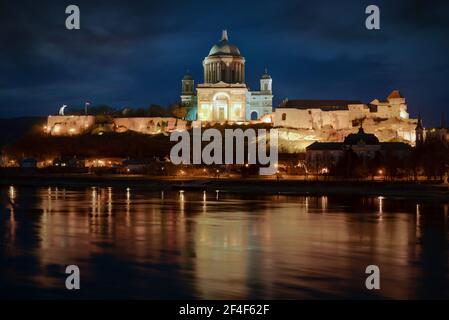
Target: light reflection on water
{"type": "Point", "coordinates": [138, 244]}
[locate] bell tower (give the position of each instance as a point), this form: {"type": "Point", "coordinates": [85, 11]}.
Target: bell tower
{"type": "Point", "coordinates": [266, 83]}
{"type": "Point", "coordinates": [188, 85]}
{"type": "Point", "coordinates": [188, 96]}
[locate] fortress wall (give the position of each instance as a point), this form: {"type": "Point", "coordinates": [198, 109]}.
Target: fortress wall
{"type": "Point", "coordinates": [342, 120]}
{"type": "Point", "coordinates": [361, 108]}
{"type": "Point", "coordinates": [358, 111]}
{"type": "Point", "coordinates": [69, 125]}
{"type": "Point", "coordinates": [73, 125]}
{"type": "Point", "coordinates": [293, 140]}
{"type": "Point", "coordinates": [385, 111]}
{"type": "Point", "coordinates": [312, 119]}
{"type": "Point", "coordinates": [295, 118]}
{"type": "Point", "coordinates": [149, 125]}
{"type": "Point", "coordinates": [333, 119]}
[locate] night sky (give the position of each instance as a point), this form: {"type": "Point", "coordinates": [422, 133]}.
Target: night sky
{"type": "Point", "coordinates": [134, 53]}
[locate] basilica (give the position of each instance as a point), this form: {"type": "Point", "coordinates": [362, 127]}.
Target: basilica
{"type": "Point", "coordinates": [224, 95]}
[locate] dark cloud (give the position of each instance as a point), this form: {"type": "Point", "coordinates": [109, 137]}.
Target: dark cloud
{"type": "Point", "coordinates": [133, 53]}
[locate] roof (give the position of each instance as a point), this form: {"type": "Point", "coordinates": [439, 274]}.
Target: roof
{"type": "Point", "coordinates": [395, 94]}
{"type": "Point", "coordinates": [325, 146]}
{"type": "Point", "coordinates": [361, 137]}
{"type": "Point", "coordinates": [266, 75]}
{"type": "Point", "coordinates": [325, 105]}
{"type": "Point", "coordinates": [224, 47]}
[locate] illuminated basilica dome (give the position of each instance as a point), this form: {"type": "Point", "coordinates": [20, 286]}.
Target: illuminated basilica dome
{"type": "Point", "coordinates": [224, 63]}
{"type": "Point", "coordinates": [224, 47]}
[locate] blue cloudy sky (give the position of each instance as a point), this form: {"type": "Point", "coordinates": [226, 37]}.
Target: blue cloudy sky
{"type": "Point", "coordinates": [134, 53]}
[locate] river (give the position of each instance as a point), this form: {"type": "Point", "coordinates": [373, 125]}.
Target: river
{"type": "Point", "coordinates": [131, 243]}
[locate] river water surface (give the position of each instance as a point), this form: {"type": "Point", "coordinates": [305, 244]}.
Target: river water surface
{"type": "Point", "coordinates": [131, 243]}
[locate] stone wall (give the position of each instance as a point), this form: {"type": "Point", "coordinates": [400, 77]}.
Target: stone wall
{"type": "Point", "coordinates": [69, 125]}
{"type": "Point", "coordinates": [312, 119]}
{"type": "Point", "coordinates": [388, 120]}
{"type": "Point", "coordinates": [330, 117]}
{"type": "Point", "coordinates": [149, 125]}
{"type": "Point", "coordinates": [293, 140]}
{"type": "Point", "coordinates": [74, 125]}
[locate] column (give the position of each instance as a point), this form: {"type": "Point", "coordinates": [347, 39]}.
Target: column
{"type": "Point", "coordinates": [208, 72]}
{"type": "Point", "coordinates": [216, 72]}
{"type": "Point", "coordinates": [238, 72]}
{"type": "Point", "coordinates": [217, 64]}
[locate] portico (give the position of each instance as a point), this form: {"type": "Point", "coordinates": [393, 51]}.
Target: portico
{"type": "Point", "coordinates": [221, 102]}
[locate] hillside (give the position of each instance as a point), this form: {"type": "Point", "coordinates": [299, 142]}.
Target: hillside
{"type": "Point", "coordinates": [14, 128]}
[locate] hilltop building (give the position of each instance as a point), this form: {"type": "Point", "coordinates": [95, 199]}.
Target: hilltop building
{"type": "Point", "coordinates": [302, 122]}
{"type": "Point", "coordinates": [224, 95]}
{"type": "Point", "coordinates": [338, 114]}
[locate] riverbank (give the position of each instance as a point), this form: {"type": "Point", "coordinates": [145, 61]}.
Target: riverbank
{"type": "Point", "coordinates": [265, 185]}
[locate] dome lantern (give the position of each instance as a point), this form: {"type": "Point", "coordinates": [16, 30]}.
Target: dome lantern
{"type": "Point", "coordinates": [224, 35]}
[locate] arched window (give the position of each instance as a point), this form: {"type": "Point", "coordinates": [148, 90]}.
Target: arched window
{"type": "Point", "coordinates": [254, 115]}
{"type": "Point", "coordinates": [284, 116]}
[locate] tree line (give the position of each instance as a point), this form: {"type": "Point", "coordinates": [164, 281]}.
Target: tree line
{"type": "Point", "coordinates": [176, 110]}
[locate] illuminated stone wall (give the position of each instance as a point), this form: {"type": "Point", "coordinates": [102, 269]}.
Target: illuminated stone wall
{"type": "Point", "coordinates": [394, 107]}
{"type": "Point", "coordinates": [297, 139]}
{"type": "Point", "coordinates": [74, 125]}
{"type": "Point", "coordinates": [149, 125]}
{"type": "Point", "coordinates": [388, 120]}
{"type": "Point", "coordinates": [69, 125]}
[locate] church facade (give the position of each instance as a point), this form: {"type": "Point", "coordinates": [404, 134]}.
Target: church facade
{"type": "Point", "coordinates": [224, 95]}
